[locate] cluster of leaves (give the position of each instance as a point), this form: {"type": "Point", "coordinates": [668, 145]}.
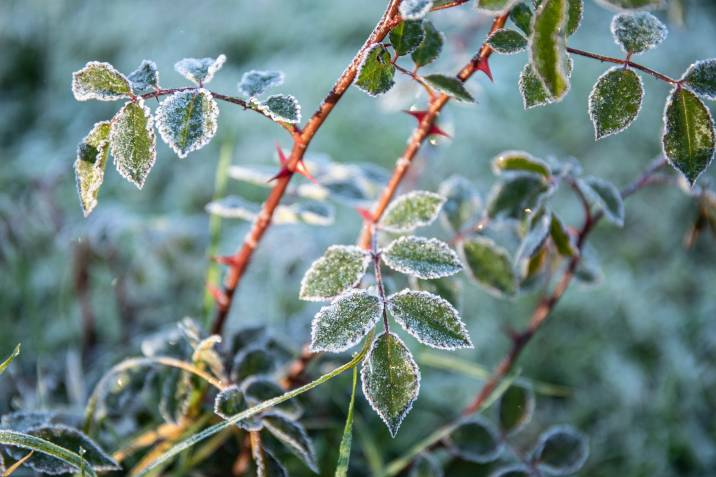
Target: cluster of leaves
{"type": "Point", "coordinates": [187, 119]}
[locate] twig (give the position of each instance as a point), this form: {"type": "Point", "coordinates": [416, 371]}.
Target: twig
{"type": "Point", "coordinates": [626, 62]}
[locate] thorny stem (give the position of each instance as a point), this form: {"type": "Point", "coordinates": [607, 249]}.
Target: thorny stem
{"type": "Point", "coordinates": [625, 62]}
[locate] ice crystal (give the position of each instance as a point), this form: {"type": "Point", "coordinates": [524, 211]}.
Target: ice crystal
{"type": "Point", "coordinates": [701, 78]}
{"type": "Point", "coordinates": [431, 46]}
{"type": "Point", "coordinates": [507, 42]}
{"type": "Point", "coordinates": [282, 108]}
{"type": "Point", "coordinates": [145, 78]}
{"type": "Point", "coordinates": [615, 101]}
{"type": "Point", "coordinates": [638, 32]}
{"type": "Point", "coordinates": [376, 71]}
{"type": "Point", "coordinates": [187, 120]}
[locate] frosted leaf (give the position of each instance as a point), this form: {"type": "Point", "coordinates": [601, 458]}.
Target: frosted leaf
{"type": "Point", "coordinates": [638, 32]}
{"type": "Point", "coordinates": [415, 9]}
{"type": "Point", "coordinates": [535, 238]}
{"type": "Point", "coordinates": [520, 161]}
{"type": "Point", "coordinates": [145, 78]}
{"type": "Point", "coordinates": [495, 7]}
{"type": "Point", "coordinates": [451, 86]}
{"type": "Point", "coordinates": [431, 46]}
{"type": "Point", "coordinates": [574, 17]}
{"type": "Point", "coordinates": [234, 207]}
{"type": "Point", "coordinates": [267, 465]}
{"type": "Point", "coordinates": [514, 470]}
{"type": "Point", "coordinates": [517, 196]}
{"type": "Point", "coordinates": [92, 155]}
{"type": "Point", "coordinates": [421, 257]}
{"type": "Point", "coordinates": [507, 42]}
{"type": "Point", "coordinates": [258, 389]}
{"type": "Point", "coordinates": [251, 361]}
{"type": "Point", "coordinates": [231, 401]}
{"type": "Point", "coordinates": [447, 288]}
{"type": "Point", "coordinates": [207, 356]}
{"type": "Point", "coordinates": [430, 319]}
{"type": "Point", "coordinates": [308, 212]}
{"type": "Point", "coordinates": [406, 37]}
{"type": "Point", "coordinates": [533, 91]}
{"type": "Point", "coordinates": [701, 78]}
{"type": "Point", "coordinates": [548, 49]}
{"type": "Point", "coordinates": [338, 270]}
{"type": "Point", "coordinates": [615, 101]}
{"type": "Point", "coordinates": [412, 210]}
{"type": "Point", "coordinates": [390, 379]}
{"type": "Point", "coordinates": [561, 239]}
{"type": "Point", "coordinates": [376, 71]}
{"type": "Point", "coordinates": [98, 80]}
{"type": "Point", "coordinates": [254, 83]}
{"type": "Point", "coordinates": [489, 265]}
{"type": "Point", "coordinates": [561, 450]}
{"type": "Point", "coordinates": [476, 440]}
{"type": "Point", "coordinates": [632, 4]}
{"type": "Point", "coordinates": [342, 324]}
{"type": "Point", "coordinates": [282, 108]}
{"type": "Point", "coordinates": [606, 196]}
{"type": "Point", "coordinates": [199, 70]}
{"type": "Point", "coordinates": [426, 465]}
{"type": "Point", "coordinates": [187, 120]}
{"type": "Point", "coordinates": [462, 202]}
{"type": "Point", "coordinates": [293, 436]}
{"type": "Point", "coordinates": [688, 138]}
{"type": "Point", "coordinates": [515, 409]}
{"type": "Point", "coordinates": [133, 143]}
{"type": "Point", "coordinates": [521, 15]}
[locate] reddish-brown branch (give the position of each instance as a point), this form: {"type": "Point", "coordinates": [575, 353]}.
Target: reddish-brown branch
{"type": "Point", "coordinates": [627, 62]}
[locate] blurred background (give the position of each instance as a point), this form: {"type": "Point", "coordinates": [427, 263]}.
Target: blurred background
{"type": "Point", "coordinates": [636, 351]}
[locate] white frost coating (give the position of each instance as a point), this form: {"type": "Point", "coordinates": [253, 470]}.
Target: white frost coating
{"type": "Point", "coordinates": [299, 442]}
{"type": "Point", "coordinates": [281, 108]}
{"type": "Point", "coordinates": [254, 83]}
{"type": "Point", "coordinates": [564, 69]}
{"type": "Point", "coordinates": [424, 258]}
{"type": "Point", "coordinates": [342, 324]}
{"type": "Point", "coordinates": [431, 307]}
{"type": "Point", "coordinates": [362, 64]}
{"type": "Point", "coordinates": [505, 51]}
{"type": "Point", "coordinates": [117, 140]}
{"type": "Point", "coordinates": [638, 32]}
{"type": "Point", "coordinates": [352, 280]}
{"type": "Point", "coordinates": [403, 205]}
{"type": "Point", "coordinates": [700, 78]}
{"type": "Point", "coordinates": [199, 70]}
{"type": "Point", "coordinates": [145, 77]}
{"type": "Point", "coordinates": [219, 399]}
{"type": "Point", "coordinates": [570, 433]}
{"type": "Point", "coordinates": [174, 124]}
{"type": "Point", "coordinates": [492, 11]}
{"type": "Point", "coordinates": [415, 9]}
{"type": "Point", "coordinates": [526, 72]}
{"type": "Point", "coordinates": [84, 92]}
{"type": "Point", "coordinates": [594, 99]}
{"type": "Point", "coordinates": [89, 177]}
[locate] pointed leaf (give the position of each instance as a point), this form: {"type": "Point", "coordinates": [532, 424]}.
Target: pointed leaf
{"type": "Point", "coordinates": [254, 83]}
{"type": "Point", "coordinates": [100, 81]}
{"type": "Point", "coordinates": [495, 7]}
{"type": "Point", "coordinates": [561, 450]}
{"type": "Point", "coordinates": [414, 9]}
{"type": "Point", "coordinates": [10, 359]}
{"type": "Point", "coordinates": [145, 78]}
{"type": "Point", "coordinates": [517, 196]}
{"type": "Point", "coordinates": [432, 320]}
{"type": "Point", "coordinates": [376, 72]}
{"type": "Point", "coordinates": [199, 70]}
{"type": "Point", "coordinates": [547, 52]}
{"type": "Point", "coordinates": [607, 197]}
{"type": "Point", "coordinates": [507, 42]}
{"type": "Point", "coordinates": [412, 210]}
{"type": "Point", "coordinates": [535, 238]}
{"type": "Point", "coordinates": [638, 32]}
{"type": "Point", "coordinates": [533, 91]}
{"type": "Point", "coordinates": [451, 86]}
{"type": "Point", "coordinates": [574, 17]}
{"type": "Point", "coordinates": [187, 120]}
{"type": "Point", "coordinates": [515, 408]}
{"type": "Point", "coordinates": [462, 202]}
{"type": "Point", "coordinates": [475, 440]}
{"type": "Point", "coordinates": [391, 380]}
{"type": "Point", "coordinates": [561, 238]}
{"type": "Point", "coordinates": [521, 15]}
{"type": "Point", "coordinates": [688, 138]}
{"type": "Point", "coordinates": [431, 46]}
{"type": "Point", "coordinates": [133, 143]}
{"type": "Point", "coordinates": [338, 270]}
{"type": "Point", "coordinates": [293, 436]}
{"type": "Point", "coordinates": [520, 161]}
{"type": "Point", "coordinates": [421, 257]}
{"type": "Point", "coordinates": [282, 108]}
{"type": "Point", "coordinates": [231, 401]}
{"type": "Point", "coordinates": [701, 78]}
{"type": "Point", "coordinates": [49, 450]}
{"type": "Point", "coordinates": [615, 101]}
{"type": "Point", "coordinates": [92, 155]}
{"type": "Point", "coordinates": [342, 324]}
{"type": "Point", "coordinates": [490, 265]}
{"type": "Point", "coordinates": [258, 389]}
{"type": "Point", "coordinates": [406, 37]}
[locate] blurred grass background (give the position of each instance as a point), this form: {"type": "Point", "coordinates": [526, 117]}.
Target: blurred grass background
{"type": "Point", "coordinates": [637, 351]}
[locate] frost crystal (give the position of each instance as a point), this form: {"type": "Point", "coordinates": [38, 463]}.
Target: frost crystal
{"type": "Point", "coordinates": [638, 32]}
{"type": "Point", "coordinates": [615, 101]}
{"type": "Point", "coordinates": [145, 78]}
{"type": "Point", "coordinates": [133, 143]}
{"type": "Point", "coordinates": [391, 380]}
{"type": "Point", "coordinates": [424, 258]}
{"type": "Point", "coordinates": [338, 270]}
{"type": "Point", "coordinates": [199, 70]}
{"type": "Point", "coordinates": [547, 48]}
{"type": "Point", "coordinates": [432, 320]}
{"type": "Point", "coordinates": [254, 83]}
{"type": "Point", "coordinates": [412, 210]}
{"type": "Point", "coordinates": [187, 120]}
{"type": "Point", "coordinates": [92, 155]}
{"type": "Point", "coordinates": [342, 324]}
{"type": "Point", "coordinates": [282, 108]}
{"type": "Point", "coordinates": [98, 80]}
{"type": "Point", "coordinates": [701, 78]}
{"type": "Point", "coordinates": [451, 86]}
{"type": "Point", "coordinates": [406, 37]}
{"type": "Point", "coordinates": [293, 435]}
{"type": "Point", "coordinates": [415, 9]}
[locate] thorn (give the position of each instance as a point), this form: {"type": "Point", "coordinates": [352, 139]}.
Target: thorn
{"type": "Point", "coordinates": [366, 214]}
{"type": "Point", "coordinates": [484, 66]}
{"type": "Point", "coordinates": [281, 156]}
{"type": "Point", "coordinates": [303, 170]}
{"type": "Point", "coordinates": [300, 168]}
{"type": "Point", "coordinates": [419, 115]}
{"type": "Point", "coordinates": [229, 260]}
{"type": "Point", "coordinates": [434, 130]}
{"type": "Point", "coordinates": [218, 295]}
{"type": "Point", "coordinates": [283, 172]}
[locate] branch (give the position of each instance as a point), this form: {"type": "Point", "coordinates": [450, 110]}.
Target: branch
{"type": "Point", "coordinates": [626, 62]}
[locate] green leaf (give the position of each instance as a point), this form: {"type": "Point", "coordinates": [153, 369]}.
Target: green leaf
{"type": "Point", "coordinates": [430, 319]}
{"type": "Point", "coordinates": [251, 361]}
{"type": "Point", "coordinates": [447, 288]}
{"type": "Point", "coordinates": [421, 257]}
{"type": "Point", "coordinates": [514, 470]}
{"type": "Point", "coordinates": [391, 380]}
{"type": "Point", "coordinates": [282, 108]}
{"type": "Point", "coordinates": [638, 32]}
{"type": "Point", "coordinates": [475, 440]}
{"type": "Point", "coordinates": [615, 101]}
{"type": "Point", "coordinates": [338, 270]}
{"type": "Point", "coordinates": [701, 78]}
{"type": "Point", "coordinates": [254, 83]}
{"type": "Point", "coordinates": [574, 17]}
{"type": "Point", "coordinates": [64, 457]}
{"type": "Point", "coordinates": [342, 324]}
{"type": "Point", "coordinates": [414, 9]}
{"type": "Point", "coordinates": [451, 86]}
{"type": "Point", "coordinates": [187, 120]}
{"type": "Point", "coordinates": [145, 78]}
{"type": "Point", "coordinates": [561, 238]}
{"type": "Point", "coordinates": [426, 465]}
{"type": "Point", "coordinates": [132, 142]}
{"type": "Point", "coordinates": [517, 195]}
{"type": "Point", "coordinates": [607, 197]}
{"type": "Point", "coordinates": [431, 46]}
{"type": "Point", "coordinates": [688, 138]}
{"type": "Point", "coordinates": [515, 409]}
{"type": "Point", "coordinates": [462, 202]}
{"type": "Point", "coordinates": [548, 50]}
{"type": "Point", "coordinates": [533, 91]}
{"type": "Point", "coordinates": [507, 42]}
{"type": "Point", "coordinates": [100, 81]}
{"type": "Point", "coordinates": [632, 4]}
{"type": "Point", "coordinates": [520, 161]}
{"type": "Point", "coordinates": [376, 72]}
{"type": "Point", "coordinates": [258, 389]}
{"type": "Point", "coordinates": [15, 353]}
{"type": "Point", "coordinates": [535, 238]}
{"type": "Point", "coordinates": [489, 265]}
{"type": "Point", "coordinates": [412, 210]}
{"type": "Point", "coordinates": [521, 15]}
{"type": "Point", "coordinates": [231, 401]}
{"type": "Point", "coordinates": [344, 449]}
{"type": "Point", "coordinates": [293, 436]}
{"type": "Point", "coordinates": [406, 36]}
{"type": "Point", "coordinates": [92, 155]}
{"type": "Point", "coordinates": [561, 450]}
{"type": "Point", "coordinates": [199, 70]}
{"type": "Point", "coordinates": [494, 7]}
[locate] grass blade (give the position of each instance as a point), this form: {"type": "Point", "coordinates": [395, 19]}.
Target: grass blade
{"type": "Point", "coordinates": [26, 441]}
{"type": "Point", "coordinates": [10, 359]}
{"type": "Point", "coordinates": [344, 451]}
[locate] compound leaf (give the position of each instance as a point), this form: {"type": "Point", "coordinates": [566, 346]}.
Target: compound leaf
{"type": "Point", "coordinates": [101, 81]}
{"type": "Point", "coordinates": [376, 72]}
{"type": "Point", "coordinates": [421, 257]}
{"type": "Point", "coordinates": [615, 101]}
{"type": "Point", "coordinates": [338, 270]}
{"type": "Point", "coordinates": [187, 120]}
{"type": "Point", "coordinates": [412, 210]}
{"type": "Point", "coordinates": [342, 324]}
{"type": "Point", "coordinates": [133, 143]}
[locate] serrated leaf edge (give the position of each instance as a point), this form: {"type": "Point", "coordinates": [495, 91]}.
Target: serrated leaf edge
{"type": "Point", "coordinates": [150, 131]}
{"type": "Point", "coordinates": [165, 133]}
{"type": "Point", "coordinates": [590, 103]}
{"type": "Point", "coordinates": [385, 255]}
{"type": "Point", "coordinates": [352, 248]}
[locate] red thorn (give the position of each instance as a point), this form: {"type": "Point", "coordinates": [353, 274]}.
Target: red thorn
{"type": "Point", "coordinates": [229, 260]}
{"type": "Point", "coordinates": [303, 170]}
{"type": "Point", "coordinates": [366, 214]}
{"type": "Point", "coordinates": [281, 156]}
{"type": "Point", "coordinates": [218, 295]}
{"type": "Point", "coordinates": [484, 66]}
{"type": "Point", "coordinates": [419, 115]}
{"type": "Point", "coordinates": [434, 130]}
{"type": "Point", "coordinates": [283, 172]}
